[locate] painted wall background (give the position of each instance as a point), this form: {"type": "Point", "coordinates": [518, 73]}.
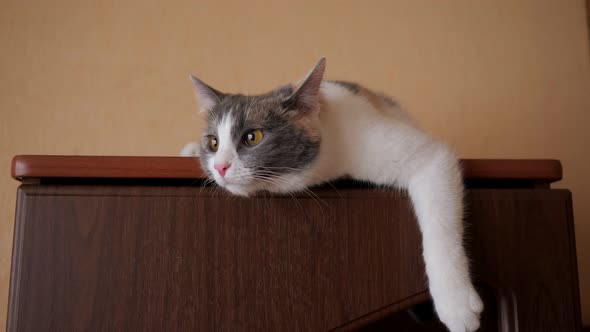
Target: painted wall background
{"type": "Point", "coordinates": [502, 79]}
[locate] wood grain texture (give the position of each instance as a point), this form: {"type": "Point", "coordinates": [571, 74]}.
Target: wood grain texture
{"type": "Point", "coordinates": [30, 166]}
{"type": "Point", "coordinates": [524, 247]}
{"type": "Point", "coordinates": [125, 258]}
{"type": "Point", "coordinates": [33, 166]}
{"type": "Point", "coordinates": [181, 259]}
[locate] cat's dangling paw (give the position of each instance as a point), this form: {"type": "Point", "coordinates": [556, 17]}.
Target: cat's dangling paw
{"type": "Point", "coordinates": [460, 310]}
{"type": "Point", "coordinates": [191, 149]}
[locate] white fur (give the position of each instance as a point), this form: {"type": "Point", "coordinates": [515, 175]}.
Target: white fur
{"type": "Point", "coordinates": [237, 178]}
{"type": "Point", "coordinates": [191, 149]}
{"type": "Point", "coordinates": [226, 146]}
{"type": "Point", "coordinates": [387, 148]}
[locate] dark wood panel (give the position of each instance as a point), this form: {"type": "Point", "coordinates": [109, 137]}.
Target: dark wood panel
{"type": "Point", "coordinates": [14, 293]}
{"type": "Point", "coordinates": [169, 259]}
{"type": "Point", "coordinates": [522, 247]}
{"type": "Point", "coordinates": [185, 259]}
{"type": "Point", "coordinates": [30, 166]}
{"type": "Point", "coordinates": [422, 318]}
{"type": "Point", "coordinates": [523, 244]}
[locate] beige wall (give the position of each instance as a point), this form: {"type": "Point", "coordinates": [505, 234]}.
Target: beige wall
{"type": "Point", "coordinates": [508, 79]}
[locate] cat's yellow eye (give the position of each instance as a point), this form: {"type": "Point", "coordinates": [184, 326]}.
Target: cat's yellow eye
{"type": "Point", "coordinates": [254, 137]}
{"type": "Point", "coordinates": [213, 143]}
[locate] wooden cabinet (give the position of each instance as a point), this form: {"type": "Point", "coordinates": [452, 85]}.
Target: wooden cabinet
{"type": "Point", "coordinates": [138, 244]}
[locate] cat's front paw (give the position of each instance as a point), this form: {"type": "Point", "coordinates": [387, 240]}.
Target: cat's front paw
{"type": "Point", "coordinates": [459, 310]}
{"type": "Point", "coordinates": [191, 149]}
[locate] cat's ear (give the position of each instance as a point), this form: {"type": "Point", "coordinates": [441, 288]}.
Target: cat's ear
{"type": "Point", "coordinates": [306, 99]}
{"type": "Point", "coordinates": [206, 95]}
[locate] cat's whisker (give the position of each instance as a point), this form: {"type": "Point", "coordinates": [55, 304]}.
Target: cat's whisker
{"type": "Point", "coordinates": [205, 184]}
{"type": "Point", "coordinates": [311, 193]}
{"type": "Point", "coordinates": [297, 170]}
{"type": "Point", "coordinates": [280, 167]}
{"type": "Point", "coordinates": [283, 182]}
{"type": "Point", "coordinates": [335, 189]}
{"type": "Point", "coordinates": [290, 193]}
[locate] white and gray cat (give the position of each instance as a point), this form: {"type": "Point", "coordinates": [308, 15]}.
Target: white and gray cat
{"type": "Point", "coordinates": [314, 131]}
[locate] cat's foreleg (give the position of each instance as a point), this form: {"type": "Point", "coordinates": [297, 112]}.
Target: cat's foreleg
{"type": "Point", "coordinates": [436, 190]}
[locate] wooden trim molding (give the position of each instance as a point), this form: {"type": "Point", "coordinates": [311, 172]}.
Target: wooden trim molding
{"type": "Point", "coordinates": [43, 166]}
{"type": "Point", "coordinates": [39, 166]}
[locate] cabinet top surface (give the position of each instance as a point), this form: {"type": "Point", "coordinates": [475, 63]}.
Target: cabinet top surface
{"type": "Point", "coordinates": [127, 167]}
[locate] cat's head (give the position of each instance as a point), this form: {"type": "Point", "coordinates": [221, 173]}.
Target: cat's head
{"type": "Point", "coordinates": [264, 142]}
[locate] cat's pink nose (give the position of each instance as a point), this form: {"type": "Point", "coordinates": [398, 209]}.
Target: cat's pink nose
{"type": "Point", "coordinates": [222, 168]}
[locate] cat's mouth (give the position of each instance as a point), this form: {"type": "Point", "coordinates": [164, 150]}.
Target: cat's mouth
{"type": "Point", "coordinates": [248, 185]}
{"type": "Point", "coordinates": [228, 181]}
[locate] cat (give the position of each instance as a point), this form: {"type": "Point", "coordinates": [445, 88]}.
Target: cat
{"type": "Point", "coordinates": [314, 131]}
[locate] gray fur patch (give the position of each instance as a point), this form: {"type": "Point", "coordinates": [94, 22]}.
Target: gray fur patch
{"type": "Point", "coordinates": [285, 148]}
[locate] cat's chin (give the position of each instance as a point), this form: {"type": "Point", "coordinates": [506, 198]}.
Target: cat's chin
{"type": "Point", "coordinates": [237, 190]}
